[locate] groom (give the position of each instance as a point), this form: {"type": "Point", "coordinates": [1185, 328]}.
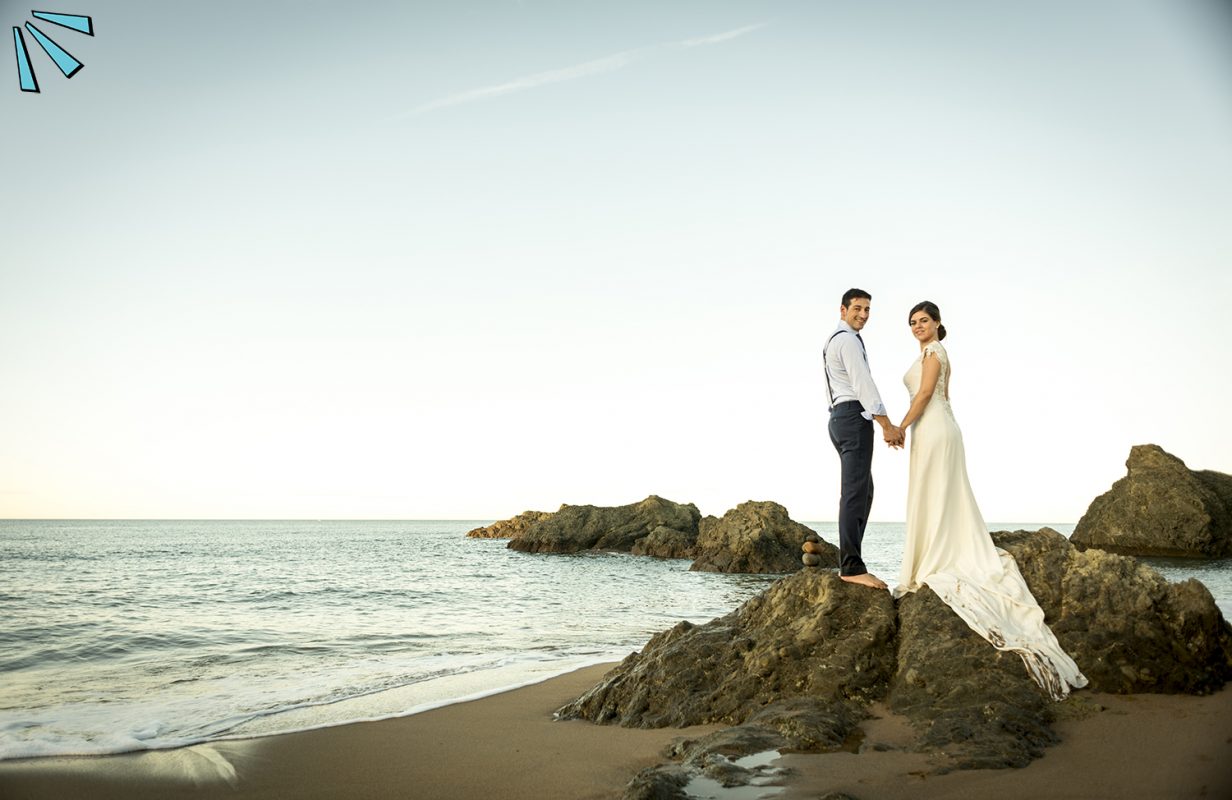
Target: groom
{"type": "Point", "coordinates": [854, 406]}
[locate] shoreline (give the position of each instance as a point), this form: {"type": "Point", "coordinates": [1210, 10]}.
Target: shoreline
{"type": "Point", "coordinates": [507, 745]}
{"type": "Point", "coordinates": [503, 745]}
{"type": "Point", "coordinates": [413, 698]}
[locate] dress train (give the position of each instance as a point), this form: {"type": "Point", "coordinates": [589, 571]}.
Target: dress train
{"type": "Point", "coordinates": [949, 550]}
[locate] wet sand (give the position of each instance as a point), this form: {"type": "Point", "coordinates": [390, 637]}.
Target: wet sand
{"type": "Point", "coordinates": [1140, 747]}
{"type": "Point", "coordinates": [508, 746]}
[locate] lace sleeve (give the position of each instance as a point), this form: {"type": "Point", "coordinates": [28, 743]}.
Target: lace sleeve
{"type": "Point", "coordinates": [936, 349]}
{"type": "Point", "coordinates": [943, 380]}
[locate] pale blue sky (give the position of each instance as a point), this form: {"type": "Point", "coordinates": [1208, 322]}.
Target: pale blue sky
{"type": "Point", "coordinates": [399, 260]}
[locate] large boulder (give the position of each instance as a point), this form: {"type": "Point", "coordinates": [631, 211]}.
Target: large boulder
{"type": "Point", "coordinates": [1161, 508]}
{"type": "Point", "coordinates": [808, 635]}
{"type": "Point", "coordinates": [796, 663]}
{"type": "Point", "coordinates": [756, 536]}
{"type": "Point", "coordinates": [1129, 629]}
{"type": "Point", "coordinates": [510, 528]}
{"type": "Point", "coordinates": [576, 528]}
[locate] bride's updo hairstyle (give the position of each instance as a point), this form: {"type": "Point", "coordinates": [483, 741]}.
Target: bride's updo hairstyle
{"type": "Point", "coordinates": [929, 308]}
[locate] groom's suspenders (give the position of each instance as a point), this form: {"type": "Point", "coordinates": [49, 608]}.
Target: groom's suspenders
{"type": "Point", "coordinates": [825, 365]}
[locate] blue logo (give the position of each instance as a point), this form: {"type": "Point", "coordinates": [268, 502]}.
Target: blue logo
{"type": "Point", "coordinates": [63, 59]}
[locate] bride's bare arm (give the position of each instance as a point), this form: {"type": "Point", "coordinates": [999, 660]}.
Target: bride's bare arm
{"type": "Point", "coordinates": [930, 372]}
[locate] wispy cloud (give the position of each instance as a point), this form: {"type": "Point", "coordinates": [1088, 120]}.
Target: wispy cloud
{"type": "Point", "coordinates": [596, 67]}
{"type": "Point", "coordinates": [587, 68]}
{"type": "Point", "coordinates": [726, 36]}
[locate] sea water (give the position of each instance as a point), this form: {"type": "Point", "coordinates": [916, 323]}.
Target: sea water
{"type": "Point", "coordinates": [131, 635]}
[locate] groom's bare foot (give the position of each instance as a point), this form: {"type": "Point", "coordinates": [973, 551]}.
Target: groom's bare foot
{"type": "Point", "coordinates": [865, 579]}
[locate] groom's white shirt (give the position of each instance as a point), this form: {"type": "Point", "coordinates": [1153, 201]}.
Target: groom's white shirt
{"type": "Point", "coordinates": [850, 378]}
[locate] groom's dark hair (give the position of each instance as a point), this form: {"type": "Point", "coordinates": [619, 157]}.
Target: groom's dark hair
{"type": "Point", "coordinates": [852, 294]}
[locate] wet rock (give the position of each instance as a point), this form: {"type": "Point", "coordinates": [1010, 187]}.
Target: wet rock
{"type": "Point", "coordinates": [799, 725]}
{"type": "Point", "coordinates": [659, 783]}
{"type": "Point", "coordinates": [757, 536]}
{"type": "Point", "coordinates": [808, 635]}
{"type": "Point", "coordinates": [725, 772]}
{"type": "Point", "coordinates": [734, 742]}
{"type": "Point", "coordinates": [1161, 508]}
{"type": "Point", "coordinates": [811, 724]}
{"type": "Point", "coordinates": [576, 528]}
{"type": "Point", "coordinates": [699, 777]}
{"type": "Point", "coordinates": [510, 528]}
{"type": "Point", "coordinates": [1128, 628]}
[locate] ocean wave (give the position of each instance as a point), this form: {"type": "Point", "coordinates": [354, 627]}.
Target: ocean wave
{"type": "Point", "coordinates": [94, 729]}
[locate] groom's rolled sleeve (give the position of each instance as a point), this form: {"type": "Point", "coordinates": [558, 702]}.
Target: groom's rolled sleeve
{"type": "Point", "coordinates": [861, 379]}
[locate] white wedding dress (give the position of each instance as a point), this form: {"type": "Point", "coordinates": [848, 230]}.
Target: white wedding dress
{"type": "Point", "coordinates": [949, 549]}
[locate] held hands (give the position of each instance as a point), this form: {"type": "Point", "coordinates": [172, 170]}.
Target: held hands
{"type": "Point", "coordinates": [894, 435]}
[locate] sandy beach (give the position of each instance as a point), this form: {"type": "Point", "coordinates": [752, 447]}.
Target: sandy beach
{"type": "Point", "coordinates": [508, 746]}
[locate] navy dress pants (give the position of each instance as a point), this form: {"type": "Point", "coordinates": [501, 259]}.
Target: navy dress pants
{"type": "Point", "coordinates": [852, 436]}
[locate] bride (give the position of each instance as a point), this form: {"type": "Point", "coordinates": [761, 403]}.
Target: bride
{"type": "Point", "coordinates": [948, 547]}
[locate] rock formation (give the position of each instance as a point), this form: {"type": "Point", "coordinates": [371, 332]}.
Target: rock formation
{"type": "Point", "coordinates": [1129, 629]}
{"type": "Point", "coordinates": [510, 528]}
{"type": "Point", "coordinates": [1161, 508]}
{"type": "Point", "coordinates": [755, 537]}
{"type": "Point", "coordinates": [966, 699]}
{"type": "Point", "coordinates": [665, 542]}
{"type": "Point", "coordinates": [796, 666]}
{"type": "Point", "coordinates": [576, 528]}
{"type": "Point", "coordinates": [808, 635]}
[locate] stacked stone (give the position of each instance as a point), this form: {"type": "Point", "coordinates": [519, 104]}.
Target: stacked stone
{"type": "Point", "coordinates": [813, 548]}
